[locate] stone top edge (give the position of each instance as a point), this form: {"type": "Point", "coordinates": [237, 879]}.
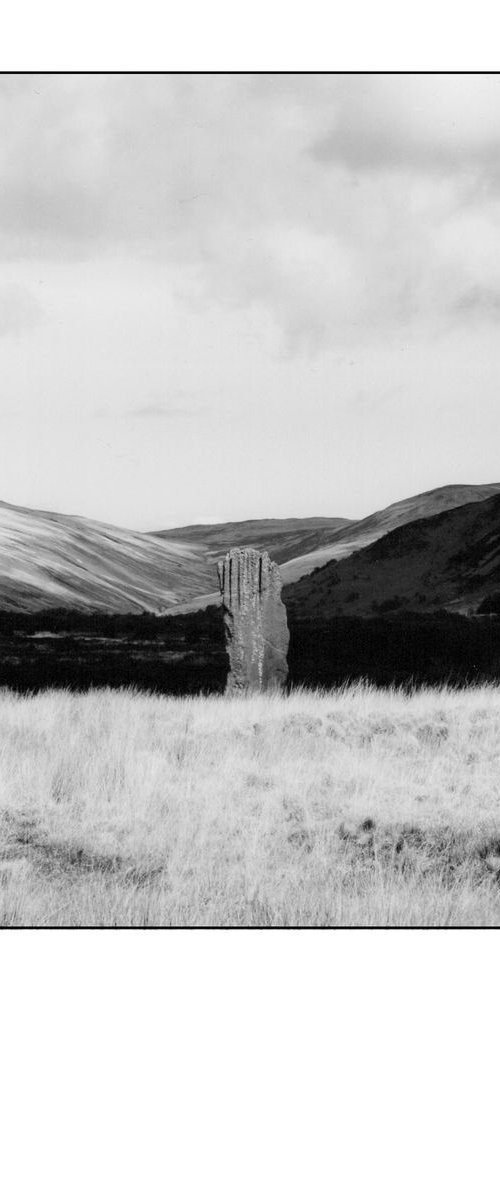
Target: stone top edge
{"type": "Point", "coordinates": [245, 552]}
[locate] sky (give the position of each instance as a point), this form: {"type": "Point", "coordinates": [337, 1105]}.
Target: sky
{"type": "Point", "coordinates": [226, 297]}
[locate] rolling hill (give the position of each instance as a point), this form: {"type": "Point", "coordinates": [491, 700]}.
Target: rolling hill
{"type": "Point", "coordinates": [358, 534]}
{"type": "Point", "coordinates": [322, 539]}
{"type": "Point", "coordinates": [450, 560]}
{"type": "Point", "coordinates": [283, 539]}
{"type": "Point", "coordinates": [48, 560]}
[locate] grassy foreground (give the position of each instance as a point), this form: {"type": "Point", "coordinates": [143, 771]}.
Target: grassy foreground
{"type": "Point", "coordinates": [338, 808]}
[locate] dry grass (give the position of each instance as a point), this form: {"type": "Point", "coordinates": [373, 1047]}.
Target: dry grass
{"type": "Point", "coordinates": [351, 807]}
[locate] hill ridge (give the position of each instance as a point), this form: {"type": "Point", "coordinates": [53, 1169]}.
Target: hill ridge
{"type": "Point", "coordinates": [50, 559]}
{"type": "Point", "coordinates": [448, 560]}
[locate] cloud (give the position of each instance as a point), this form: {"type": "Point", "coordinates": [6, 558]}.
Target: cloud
{"type": "Point", "coordinates": [443, 124]}
{"type": "Point", "coordinates": [478, 301]}
{"type": "Point", "coordinates": [324, 203]}
{"type": "Point", "coordinates": [20, 311]}
{"type": "Point", "coordinates": [52, 159]}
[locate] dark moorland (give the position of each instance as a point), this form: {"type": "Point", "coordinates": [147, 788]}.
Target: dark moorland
{"type": "Point", "coordinates": [186, 655]}
{"type": "Point", "coordinates": [62, 649]}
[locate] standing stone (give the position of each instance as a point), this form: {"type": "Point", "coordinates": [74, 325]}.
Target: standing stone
{"type": "Point", "coordinates": [255, 621]}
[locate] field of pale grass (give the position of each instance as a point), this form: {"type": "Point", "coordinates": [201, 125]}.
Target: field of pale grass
{"type": "Point", "coordinates": [353, 807]}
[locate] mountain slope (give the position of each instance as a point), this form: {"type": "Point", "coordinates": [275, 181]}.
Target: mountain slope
{"type": "Point", "coordinates": [283, 539]}
{"type": "Point", "coordinates": [327, 543]}
{"type": "Point", "coordinates": [363, 533]}
{"type": "Point", "coordinates": [450, 560]}
{"type": "Point", "coordinates": [48, 560]}
{"type": "Point", "coordinates": [52, 560]}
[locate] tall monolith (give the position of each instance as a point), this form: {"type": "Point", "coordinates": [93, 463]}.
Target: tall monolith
{"type": "Point", "coordinates": [255, 621]}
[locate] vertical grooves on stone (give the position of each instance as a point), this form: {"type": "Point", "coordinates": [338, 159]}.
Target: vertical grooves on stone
{"type": "Point", "coordinates": [254, 619]}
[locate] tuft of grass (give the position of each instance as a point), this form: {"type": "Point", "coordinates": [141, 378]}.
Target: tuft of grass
{"type": "Point", "coordinates": [354, 807]}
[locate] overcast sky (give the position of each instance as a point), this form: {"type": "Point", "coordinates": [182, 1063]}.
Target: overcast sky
{"type": "Point", "coordinates": [243, 296]}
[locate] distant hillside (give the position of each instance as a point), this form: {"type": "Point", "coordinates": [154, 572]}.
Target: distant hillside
{"type": "Point", "coordinates": [283, 539]}
{"type": "Point", "coordinates": [450, 560]}
{"type": "Point", "coordinates": [48, 560]}
{"type": "Point", "coordinates": [326, 542]}
{"type": "Point", "coordinates": [363, 533]}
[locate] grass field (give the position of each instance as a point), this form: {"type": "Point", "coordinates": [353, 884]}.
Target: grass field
{"type": "Point", "coordinates": [358, 806]}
